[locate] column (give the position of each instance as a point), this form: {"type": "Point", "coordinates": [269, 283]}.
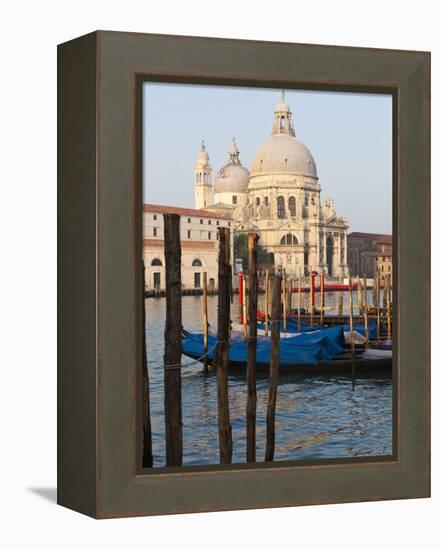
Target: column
{"type": "Point", "coordinates": [335, 258]}
{"type": "Point", "coordinates": [346, 254]}
{"type": "Point", "coordinates": [339, 267]}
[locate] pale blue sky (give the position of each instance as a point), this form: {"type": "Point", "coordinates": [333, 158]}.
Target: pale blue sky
{"type": "Point", "coordinates": [349, 136]}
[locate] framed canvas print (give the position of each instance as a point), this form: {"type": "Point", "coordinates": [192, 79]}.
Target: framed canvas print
{"type": "Point", "coordinates": [244, 274]}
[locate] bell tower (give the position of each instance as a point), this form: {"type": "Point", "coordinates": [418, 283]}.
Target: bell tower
{"type": "Point", "coordinates": [202, 180]}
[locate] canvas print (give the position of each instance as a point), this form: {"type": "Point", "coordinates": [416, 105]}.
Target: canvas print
{"type": "Point", "coordinates": [268, 275]}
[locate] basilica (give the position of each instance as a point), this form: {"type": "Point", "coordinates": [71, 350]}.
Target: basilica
{"type": "Point", "coordinates": [279, 198]}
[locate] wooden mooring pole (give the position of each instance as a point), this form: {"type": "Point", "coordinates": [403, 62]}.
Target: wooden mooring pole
{"type": "Point", "coordinates": [359, 296]}
{"type": "Point", "coordinates": [205, 308]}
{"type": "Point", "coordinates": [147, 454]}
{"type": "Point", "coordinates": [266, 300]}
{"type": "Point", "coordinates": [299, 294]}
{"type": "Point", "coordinates": [223, 339]}
{"type": "Point", "coordinates": [311, 299]}
{"type": "Point", "coordinates": [388, 309]}
{"type": "Point", "coordinates": [274, 370]}
{"type": "Point", "coordinates": [172, 338]}
{"type": "Point", "coordinates": [378, 304]}
{"type": "Point", "coordinates": [240, 288]}
{"type": "Point", "coordinates": [245, 305]}
{"type": "Point", "coordinates": [322, 296]}
{"type": "Point", "coordinates": [284, 300]}
{"type": "Point", "coordinates": [340, 304]}
{"type": "Point", "coordinates": [351, 325]}
{"type": "Point", "coordinates": [365, 311]}
{"type": "Point", "coordinates": [252, 344]}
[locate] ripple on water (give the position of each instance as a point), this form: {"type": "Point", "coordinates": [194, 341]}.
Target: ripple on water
{"type": "Point", "coordinates": [321, 417]}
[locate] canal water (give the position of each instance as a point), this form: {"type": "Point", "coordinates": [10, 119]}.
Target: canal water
{"type": "Point", "coordinates": [316, 418]}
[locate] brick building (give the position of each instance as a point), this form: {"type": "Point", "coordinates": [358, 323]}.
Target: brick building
{"type": "Point", "coordinates": [364, 249]}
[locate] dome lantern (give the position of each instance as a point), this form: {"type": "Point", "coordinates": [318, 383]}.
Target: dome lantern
{"type": "Point", "coordinates": [283, 118]}
{"type": "Point", "coordinates": [234, 152]}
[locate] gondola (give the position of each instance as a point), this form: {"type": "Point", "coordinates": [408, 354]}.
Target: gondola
{"type": "Point", "coordinates": [315, 356]}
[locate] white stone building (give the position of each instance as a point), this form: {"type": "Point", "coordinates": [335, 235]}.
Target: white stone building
{"type": "Point", "coordinates": [199, 245]}
{"type": "Point", "coordinates": [280, 200]}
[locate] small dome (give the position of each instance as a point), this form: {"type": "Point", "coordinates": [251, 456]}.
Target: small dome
{"type": "Point", "coordinates": [283, 153]}
{"type": "Point", "coordinates": [232, 178]}
{"type": "Point", "coordinates": [203, 159]}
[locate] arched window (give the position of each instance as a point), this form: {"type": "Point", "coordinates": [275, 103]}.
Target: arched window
{"type": "Point", "coordinates": [289, 240]}
{"type": "Point", "coordinates": [156, 261]}
{"type": "Point", "coordinates": [312, 200]}
{"type": "Point", "coordinates": [280, 207]}
{"type": "Point", "coordinates": [292, 206]}
{"type": "Point", "coordinates": [197, 263]}
{"type": "Point", "coordinates": [257, 202]}
{"type": "Point", "coordinates": [306, 199]}
{"type": "Point", "coordinates": [265, 201]}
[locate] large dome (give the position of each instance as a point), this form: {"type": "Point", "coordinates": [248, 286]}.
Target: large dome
{"type": "Point", "coordinates": [283, 153]}
{"type": "Point", "coordinates": [233, 177]}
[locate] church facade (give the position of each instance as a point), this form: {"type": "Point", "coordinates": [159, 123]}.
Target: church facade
{"type": "Point", "coordinates": [280, 199]}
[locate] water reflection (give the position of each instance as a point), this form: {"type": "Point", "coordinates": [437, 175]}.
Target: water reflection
{"type": "Point", "coordinates": [321, 417]}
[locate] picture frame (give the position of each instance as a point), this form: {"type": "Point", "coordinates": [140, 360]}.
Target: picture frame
{"type": "Point", "coordinates": [100, 77]}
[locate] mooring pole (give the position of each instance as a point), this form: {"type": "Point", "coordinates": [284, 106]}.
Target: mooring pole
{"type": "Point", "coordinates": [205, 307]}
{"type": "Point", "coordinates": [274, 370]}
{"type": "Point", "coordinates": [172, 337]}
{"type": "Point", "coordinates": [340, 304]}
{"type": "Point", "coordinates": [245, 305]}
{"type": "Point", "coordinates": [240, 288]}
{"type": "Point", "coordinates": [284, 300]}
{"type": "Point", "coordinates": [147, 454]}
{"type": "Point", "coordinates": [365, 311]}
{"type": "Point", "coordinates": [299, 291]}
{"type": "Point", "coordinates": [351, 326]}
{"type": "Point", "coordinates": [252, 344]}
{"type": "Point", "coordinates": [389, 325]}
{"type": "Point", "coordinates": [378, 304]}
{"type": "Point", "coordinates": [322, 296]}
{"type": "Point", "coordinates": [223, 339]}
{"type": "Point", "coordinates": [266, 300]}
{"type": "Point", "coordinates": [359, 296]}
{"type": "Point", "coordinates": [374, 289]}
{"type": "Point", "coordinates": [311, 298]}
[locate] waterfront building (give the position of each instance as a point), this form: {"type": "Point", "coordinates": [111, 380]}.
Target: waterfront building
{"type": "Point", "coordinates": [364, 249]}
{"type": "Point", "coordinates": [199, 245]}
{"type": "Point", "coordinates": [280, 199]}
{"type": "Point", "coordinates": [384, 265]}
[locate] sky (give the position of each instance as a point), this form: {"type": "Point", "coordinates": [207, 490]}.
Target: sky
{"type": "Point", "coordinates": [348, 134]}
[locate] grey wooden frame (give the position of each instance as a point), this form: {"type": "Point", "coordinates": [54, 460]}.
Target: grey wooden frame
{"type": "Point", "coordinates": [99, 364]}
